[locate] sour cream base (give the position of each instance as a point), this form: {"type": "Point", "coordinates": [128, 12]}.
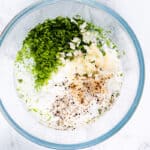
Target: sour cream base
{"type": "Point", "coordinates": [81, 91]}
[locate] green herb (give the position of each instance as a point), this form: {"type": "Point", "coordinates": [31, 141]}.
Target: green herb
{"type": "Point", "coordinates": [49, 118]}
{"type": "Point", "coordinates": [92, 62]}
{"type": "Point", "coordinates": [108, 43]}
{"type": "Point", "coordinates": [85, 75]}
{"type": "Point", "coordinates": [23, 53]}
{"type": "Point", "coordinates": [33, 109]}
{"type": "Point", "coordinates": [100, 46]}
{"type": "Point", "coordinates": [123, 52]}
{"type": "Point", "coordinates": [46, 42]}
{"type": "Point", "coordinates": [114, 46]}
{"type": "Point", "coordinates": [89, 44]}
{"type": "Point", "coordinates": [100, 111]}
{"type": "Point", "coordinates": [103, 52]}
{"type": "Point", "coordinates": [79, 20]}
{"type": "Point", "coordinates": [20, 80]}
{"type": "Point", "coordinates": [105, 108]}
{"type": "Point", "coordinates": [92, 27]}
{"type": "Point", "coordinates": [117, 94]}
{"type": "Point", "coordinates": [121, 74]}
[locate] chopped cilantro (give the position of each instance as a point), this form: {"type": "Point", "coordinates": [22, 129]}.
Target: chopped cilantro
{"type": "Point", "coordinates": [108, 42]}
{"type": "Point", "coordinates": [103, 52]}
{"type": "Point", "coordinates": [34, 109]}
{"type": "Point", "coordinates": [20, 80]}
{"type": "Point", "coordinates": [117, 94]}
{"type": "Point", "coordinates": [92, 62]}
{"type": "Point", "coordinates": [100, 111]}
{"type": "Point", "coordinates": [121, 74]}
{"type": "Point", "coordinates": [46, 42]}
{"type": "Point", "coordinates": [85, 75]}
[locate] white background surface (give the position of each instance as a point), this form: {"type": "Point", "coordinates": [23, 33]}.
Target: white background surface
{"type": "Point", "coordinates": [135, 135]}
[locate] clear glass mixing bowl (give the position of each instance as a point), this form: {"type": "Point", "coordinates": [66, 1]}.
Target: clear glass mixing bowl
{"type": "Point", "coordinates": [133, 66]}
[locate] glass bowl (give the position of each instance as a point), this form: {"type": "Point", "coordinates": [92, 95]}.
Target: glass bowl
{"type": "Point", "coordinates": [133, 66]}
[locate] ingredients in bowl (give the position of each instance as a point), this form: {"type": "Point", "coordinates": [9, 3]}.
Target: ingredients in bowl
{"type": "Point", "coordinates": [68, 72]}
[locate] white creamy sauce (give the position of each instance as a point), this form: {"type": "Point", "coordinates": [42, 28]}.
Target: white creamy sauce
{"type": "Point", "coordinates": [47, 104]}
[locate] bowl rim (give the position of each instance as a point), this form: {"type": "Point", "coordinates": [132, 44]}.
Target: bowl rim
{"type": "Point", "coordinates": [139, 91]}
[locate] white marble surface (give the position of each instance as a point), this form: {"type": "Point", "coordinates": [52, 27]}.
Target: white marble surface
{"type": "Point", "coordinates": [135, 135]}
